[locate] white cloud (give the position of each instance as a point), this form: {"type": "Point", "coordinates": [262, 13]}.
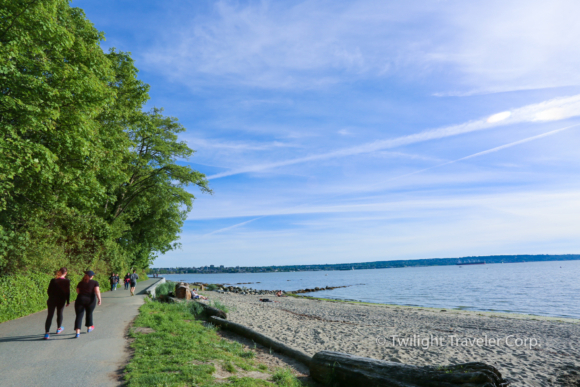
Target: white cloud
{"type": "Point", "coordinates": [201, 143]}
{"type": "Point", "coordinates": [361, 205]}
{"type": "Point", "coordinates": [499, 117]}
{"type": "Point", "coordinates": [486, 46]}
{"type": "Point", "coordinates": [516, 223]}
{"type": "Point", "coordinates": [512, 45]}
{"type": "Point", "coordinates": [555, 109]}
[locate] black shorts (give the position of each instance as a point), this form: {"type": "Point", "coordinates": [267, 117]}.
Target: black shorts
{"type": "Point", "coordinates": [133, 284]}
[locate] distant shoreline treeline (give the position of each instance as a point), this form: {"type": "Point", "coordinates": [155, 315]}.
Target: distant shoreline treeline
{"type": "Point", "coordinates": [370, 265]}
{"type": "Point", "coordinates": [87, 178]}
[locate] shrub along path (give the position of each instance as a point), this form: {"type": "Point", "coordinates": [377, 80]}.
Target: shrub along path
{"type": "Point", "coordinates": [94, 359]}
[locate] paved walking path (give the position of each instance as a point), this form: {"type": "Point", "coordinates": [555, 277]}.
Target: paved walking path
{"type": "Point", "coordinates": [94, 359]}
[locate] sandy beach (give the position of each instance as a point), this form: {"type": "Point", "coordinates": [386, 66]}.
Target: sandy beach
{"type": "Point", "coordinates": [528, 350]}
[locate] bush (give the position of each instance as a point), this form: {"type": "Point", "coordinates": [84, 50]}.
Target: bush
{"type": "Point", "coordinates": [220, 306]}
{"type": "Point", "coordinates": [164, 289]}
{"type": "Point", "coordinates": [212, 287]}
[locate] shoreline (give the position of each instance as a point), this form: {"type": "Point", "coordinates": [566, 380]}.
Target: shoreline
{"type": "Point", "coordinates": [518, 316]}
{"type": "Point", "coordinates": [499, 314]}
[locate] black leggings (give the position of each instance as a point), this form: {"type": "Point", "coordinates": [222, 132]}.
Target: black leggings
{"type": "Point", "coordinates": [52, 305]}
{"type": "Point", "coordinates": [82, 304]}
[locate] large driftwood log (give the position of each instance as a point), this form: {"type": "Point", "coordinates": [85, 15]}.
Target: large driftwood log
{"type": "Point", "coordinates": [262, 339]}
{"type": "Point", "coordinates": [182, 291]}
{"type": "Point", "coordinates": [343, 370]}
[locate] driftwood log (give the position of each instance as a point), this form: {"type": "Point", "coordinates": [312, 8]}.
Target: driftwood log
{"type": "Point", "coordinates": [199, 285]}
{"type": "Point", "coordinates": [262, 339]}
{"type": "Point", "coordinates": [182, 291]}
{"type": "Point", "coordinates": [343, 370]}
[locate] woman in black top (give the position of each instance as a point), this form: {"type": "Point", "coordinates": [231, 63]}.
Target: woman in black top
{"type": "Point", "coordinates": [58, 295]}
{"type": "Point", "coordinates": [88, 293]}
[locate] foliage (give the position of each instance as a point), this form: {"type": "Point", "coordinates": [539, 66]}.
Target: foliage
{"type": "Point", "coordinates": [220, 306]}
{"type": "Point", "coordinates": [87, 178]}
{"type": "Point", "coordinates": [285, 377]}
{"type": "Point", "coordinates": [212, 287]}
{"type": "Point", "coordinates": [181, 351]}
{"type": "Point", "coordinates": [164, 289]}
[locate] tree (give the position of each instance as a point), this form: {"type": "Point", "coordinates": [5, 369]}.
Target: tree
{"type": "Point", "coordinates": [86, 177]}
{"type": "Point", "coordinates": [153, 202]}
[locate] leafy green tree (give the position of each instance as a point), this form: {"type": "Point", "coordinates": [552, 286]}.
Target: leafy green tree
{"type": "Point", "coordinates": [154, 201]}
{"type": "Point", "coordinates": [87, 179]}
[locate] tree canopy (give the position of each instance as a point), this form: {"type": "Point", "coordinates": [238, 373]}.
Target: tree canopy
{"type": "Point", "coordinates": [87, 177]}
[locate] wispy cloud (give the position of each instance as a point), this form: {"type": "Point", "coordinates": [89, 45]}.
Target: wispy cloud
{"type": "Point", "coordinates": [488, 151]}
{"type": "Point", "coordinates": [231, 227]}
{"type": "Point", "coordinates": [551, 110]}
{"type": "Point", "coordinates": [200, 143]}
{"type": "Point", "coordinates": [506, 223]}
{"type": "Point", "coordinates": [491, 46]}
{"type": "Point", "coordinates": [382, 206]}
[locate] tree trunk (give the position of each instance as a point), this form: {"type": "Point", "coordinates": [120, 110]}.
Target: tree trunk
{"type": "Point", "coordinates": [342, 370]}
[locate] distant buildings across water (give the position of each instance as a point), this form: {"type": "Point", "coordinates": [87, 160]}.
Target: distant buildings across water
{"type": "Point", "coordinates": [368, 265]}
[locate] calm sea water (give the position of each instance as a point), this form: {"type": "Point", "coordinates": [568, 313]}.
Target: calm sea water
{"type": "Point", "coordinates": [538, 288]}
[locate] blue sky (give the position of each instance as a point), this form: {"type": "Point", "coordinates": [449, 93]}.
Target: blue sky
{"type": "Point", "coordinates": [349, 131]}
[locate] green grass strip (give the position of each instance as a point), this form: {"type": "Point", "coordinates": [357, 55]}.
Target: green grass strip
{"type": "Point", "coordinates": [178, 350]}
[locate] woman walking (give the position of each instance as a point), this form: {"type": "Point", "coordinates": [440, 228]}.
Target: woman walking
{"type": "Point", "coordinates": [126, 280]}
{"type": "Point", "coordinates": [58, 295]}
{"type": "Point", "coordinates": [113, 280]}
{"type": "Point", "coordinates": [88, 293]}
{"type": "Point", "coordinates": [134, 277]}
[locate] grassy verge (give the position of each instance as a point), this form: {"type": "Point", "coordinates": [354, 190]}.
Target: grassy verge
{"type": "Point", "coordinates": [172, 348]}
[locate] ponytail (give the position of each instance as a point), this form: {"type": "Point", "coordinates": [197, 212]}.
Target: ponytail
{"type": "Point", "coordinates": [86, 278]}
{"type": "Point", "coordinates": [62, 271]}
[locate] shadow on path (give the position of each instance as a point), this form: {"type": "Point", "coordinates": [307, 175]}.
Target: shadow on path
{"type": "Point", "coordinates": [35, 338]}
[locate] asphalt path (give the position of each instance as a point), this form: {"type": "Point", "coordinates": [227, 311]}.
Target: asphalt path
{"type": "Point", "coordinates": [94, 359]}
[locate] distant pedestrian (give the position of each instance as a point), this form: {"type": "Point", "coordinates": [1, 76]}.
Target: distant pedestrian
{"type": "Point", "coordinates": [88, 294]}
{"type": "Point", "coordinates": [117, 281]}
{"type": "Point", "coordinates": [126, 281]}
{"type": "Point", "coordinates": [58, 295]}
{"type": "Point", "coordinates": [113, 280]}
{"type": "Point", "coordinates": [134, 277]}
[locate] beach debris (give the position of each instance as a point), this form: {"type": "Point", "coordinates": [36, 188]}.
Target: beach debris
{"type": "Point", "coordinates": [344, 370]}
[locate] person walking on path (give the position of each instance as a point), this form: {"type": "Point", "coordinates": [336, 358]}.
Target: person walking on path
{"type": "Point", "coordinates": [58, 295]}
{"type": "Point", "coordinates": [88, 293]}
{"type": "Point", "coordinates": [134, 277]}
{"type": "Point", "coordinates": [113, 281]}
{"type": "Point", "coordinates": [126, 280]}
{"type": "Point", "coordinates": [117, 280]}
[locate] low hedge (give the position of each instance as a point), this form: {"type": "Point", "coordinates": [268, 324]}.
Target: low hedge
{"type": "Point", "coordinates": [21, 295]}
